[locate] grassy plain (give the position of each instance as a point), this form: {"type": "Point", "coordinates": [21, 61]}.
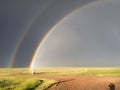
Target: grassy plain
{"type": "Point", "coordinates": [72, 71]}
{"type": "Point", "coordinates": [22, 79]}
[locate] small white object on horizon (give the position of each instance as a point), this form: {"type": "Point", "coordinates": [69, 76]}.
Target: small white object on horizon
{"type": "Point", "coordinates": [33, 71]}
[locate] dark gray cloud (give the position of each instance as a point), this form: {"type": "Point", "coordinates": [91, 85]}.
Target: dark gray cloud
{"type": "Point", "coordinates": [16, 15]}
{"type": "Point", "coordinates": [88, 37]}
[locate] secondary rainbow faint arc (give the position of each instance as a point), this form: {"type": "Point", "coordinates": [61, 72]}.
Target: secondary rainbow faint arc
{"type": "Point", "coordinates": [13, 56]}
{"type": "Point", "coordinates": [52, 29]}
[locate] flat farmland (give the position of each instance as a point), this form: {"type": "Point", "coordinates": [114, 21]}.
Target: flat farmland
{"type": "Point", "coordinates": [60, 78]}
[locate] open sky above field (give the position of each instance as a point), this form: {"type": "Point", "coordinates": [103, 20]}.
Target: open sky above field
{"type": "Point", "coordinates": [43, 33]}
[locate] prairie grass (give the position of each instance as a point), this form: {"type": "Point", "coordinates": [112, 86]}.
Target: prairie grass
{"type": "Point", "coordinates": [87, 71]}
{"type": "Point", "coordinates": [22, 79]}
{"type": "Point", "coordinates": [24, 84]}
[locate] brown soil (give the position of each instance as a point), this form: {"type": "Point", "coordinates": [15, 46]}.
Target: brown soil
{"type": "Point", "coordinates": [85, 83]}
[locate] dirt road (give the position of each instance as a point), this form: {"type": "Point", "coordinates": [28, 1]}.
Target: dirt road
{"type": "Point", "coordinates": [86, 83]}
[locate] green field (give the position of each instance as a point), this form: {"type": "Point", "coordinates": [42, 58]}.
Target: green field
{"type": "Point", "coordinates": [78, 71]}
{"type": "Point", "coordinates": [22, 79]}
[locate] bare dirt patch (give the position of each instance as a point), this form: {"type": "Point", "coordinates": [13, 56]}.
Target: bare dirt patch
{"type": "Point", "coordinates": [86, 83]}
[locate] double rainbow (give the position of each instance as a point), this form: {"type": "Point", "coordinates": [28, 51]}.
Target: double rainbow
{"type": "Point", "coordinates": [13, 56]}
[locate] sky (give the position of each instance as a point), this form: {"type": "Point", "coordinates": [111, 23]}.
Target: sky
{"type": "Point", "coordinates": [89, 37]}
{"type": "Point", "coordinates": [81, 33]}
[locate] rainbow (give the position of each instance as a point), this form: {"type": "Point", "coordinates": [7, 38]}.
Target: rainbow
{"type": "Point", "coordinates": [27, 29]}
{"type": "Point", "coordinates": [52, 29]}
